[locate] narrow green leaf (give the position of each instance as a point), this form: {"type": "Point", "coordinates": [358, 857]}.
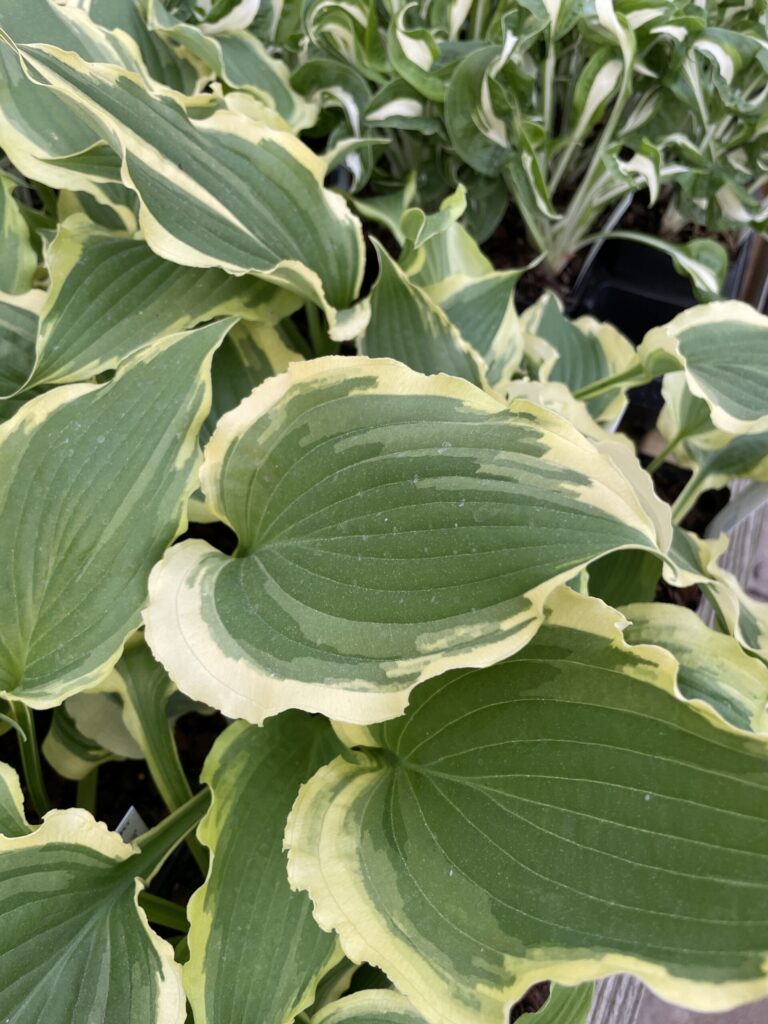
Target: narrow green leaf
{"type": "Point", "coordinates": [246, 905]}
{"type": "Point", "coordinates": [12, 820]}
{"type": "Point", "coordinates": [110, 296]}
{"type": "Point", "coordinates": [18, 262]}
{"type": "Point", "coordinates": [407, 325]}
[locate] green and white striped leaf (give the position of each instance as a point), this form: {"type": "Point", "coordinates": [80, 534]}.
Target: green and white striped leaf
{"type": "Point", "coordinates": [239, 59]}
{"type": "Point", "coordinates": [246, 905]}
{"type": "Point", "coordinates": [111, 295]}
{"type": "Point", "coordinates": [12, 820]}
{"type": "Point", "coordinates": [38, 127]}
{"type": "Point", "coordinates": [694, 560]}
{"type": "Point", "coordinates": [376, 1006]}
{"type": "Point", "coordinates": [93, 485]}
{"type": "Point", "coordinates": [68, 751]}
{"type": "Point", "coordinates": [560, 815]}
{"type": "Point", "coordinates": [18, 261]}
{"type": "Point", "coordinates": [220, 191]}
{"type": "Point", "coordinates": [390, 527]}
{"type": "Point", "coordinates": [577, 353]}
{"type": "Point", "coordinates": [164, 65]}
{"type": "Point", "coordinates": [75, 946]}
{"type": "Point", "coordinates": [720, 346]}
{"type": "Point", "coordinates": [479, 301]}
{"type": "Point", "coordinates": [714, 670]}
{"type": "Point", "coordinates": [407, 325]}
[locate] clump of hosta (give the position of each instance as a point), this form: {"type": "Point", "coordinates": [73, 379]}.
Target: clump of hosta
{"type": "Point", "coordinates": [467, 752]}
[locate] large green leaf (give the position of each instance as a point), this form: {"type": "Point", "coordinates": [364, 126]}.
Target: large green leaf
{"type": "Point", "coordinates": [93, 485]}
{"type": "Point", "coordinates": [391, 526]}
{"type": "Point", "coordinates": [560, 815]}
{"type": "Point", "coordinates": [222, 190]}
{"type": "Point", "coordinates": [111, 295]}
{"type": "Point", "coordinates": [74, 945]}
{"type": "Point", "coordinates": [713, 667]}
{"type": "Point", "coordinates": [720, 346]}
{"type": "Point", "coordinates": [245, 906]}
{"type": "Point", "coordinates": [18, 262]}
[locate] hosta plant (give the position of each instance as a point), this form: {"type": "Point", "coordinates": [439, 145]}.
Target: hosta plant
{"type": "Point", "coordinates": [564, 109]}
{"type": "Point", "coordinates": [388, 530]}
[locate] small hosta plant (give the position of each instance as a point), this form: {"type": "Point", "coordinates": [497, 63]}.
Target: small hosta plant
{"type": "Point", "coordinates": [389, 531]}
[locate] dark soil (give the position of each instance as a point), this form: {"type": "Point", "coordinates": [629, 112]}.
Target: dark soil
{"type": "Point", "coordinates": [532, 1001]}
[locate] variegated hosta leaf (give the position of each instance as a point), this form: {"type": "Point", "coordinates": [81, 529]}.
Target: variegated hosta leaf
{"type": "Point", "coordinates": [238, 58]}
{"type": "Point", "coordinates": [37, 129]}
{"type": "Point", "coordinates": [19, 319]}
{"type": "Point", "coordinates": [68, 751]}
{"type": "Point", "coordinates": [19, 262]}
{"type": "Point", "coordinates": [407, 325]}
{"type": "Point", "coordinates": [720, 346]}
{"type": "Point", "coordinates": [246, 905]}
{"type": "Point", "coordinates": [12, 820]}
{"type": "Point", "coordinates": [559, 398]}
{"type": "Point", "coordinates": [479, 301]}
{"type": "Point", "coordinates": [163, 64]}
{"type": "Point", "coordinates": [577, 353]}
{"type": "Point", "coordinates": [714, 670]}
{"type": "Point", "coordinates": [693, 560]}
{"type": "Point", "coordinates": [74, 945]}
{"type": "Point", "coordinates": [111, 295]}
{"type": "Point", "coordinates": [250, 354]}
{"type": "Point", "coordinates": [374, 1006]}
{"type": "Point", "coordinates": [561, 815]}
{"type": "Point", "coordinates": [391, 526]}
{"type": "Point", "coordinates": [484, 312]}
{"type": "Point", "coordinates": [221, 191]}
{"type": "Point", "coordinates": [93, 486]}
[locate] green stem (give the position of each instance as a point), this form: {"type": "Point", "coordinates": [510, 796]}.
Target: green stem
{"type": "Point", "coordinates": [163, 912]}
{"type": "Point", "coordinates": [686, 499]}
{"type": "Point", "coordinates": [634, 374]}
{"type": "Point", "coordinates": [30, 758]}
{"type": "Point", "coordinates": [87, 790]}
{"type": "Point", "coordinates": [155, 845]}
{"type": "Point", "coordinates": [549, 84]}
{"type": "Point", "coordinates": [654, 464]}
{"type": "Point", "coordinates": [321, 343]}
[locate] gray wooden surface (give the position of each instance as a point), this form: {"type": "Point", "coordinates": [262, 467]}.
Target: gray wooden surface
{"type": "Point", "coordinates": [623, 999]}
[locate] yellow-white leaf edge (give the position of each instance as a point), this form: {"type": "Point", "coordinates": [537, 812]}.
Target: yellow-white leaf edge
{"type": "Point", "coordinates": [323, 845]}
{"type": "Point", "coordinates": [76, 826]}
{"type": "Point", "coordinates": [241, 689]}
